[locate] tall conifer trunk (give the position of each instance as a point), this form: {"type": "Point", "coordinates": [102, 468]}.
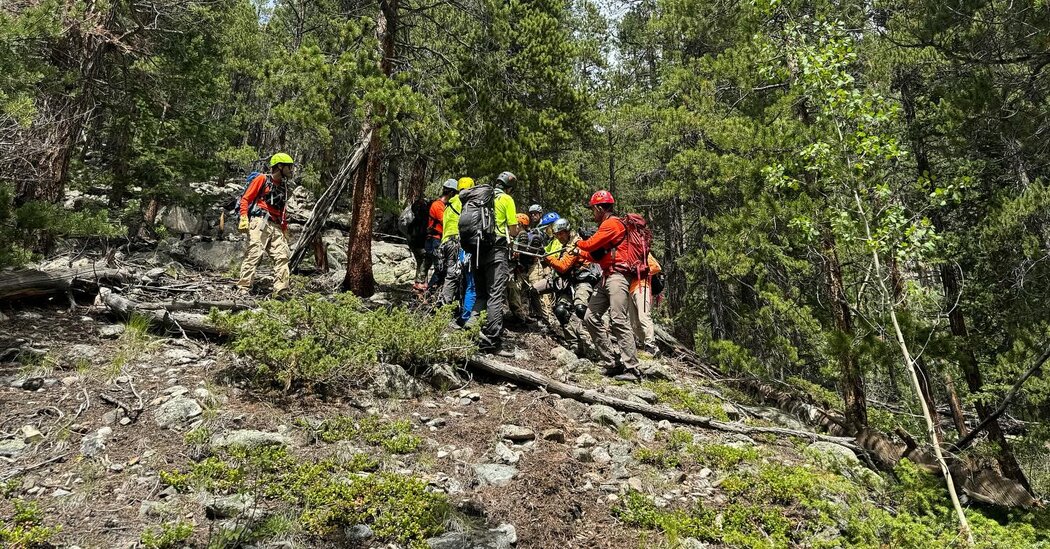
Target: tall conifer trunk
{"type": "Point", "coordinates": [359, 278]}
{"type": "Point", "coordinates": [851, 380]}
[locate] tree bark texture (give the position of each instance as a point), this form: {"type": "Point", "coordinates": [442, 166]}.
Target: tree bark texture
{"type": "Point", "coordinates": [955, 404]}
{"type": "Point", "coordinates": [359, 278]}
{"type": "Point", "coordinates": [417, 181]}
{"type": "Point", "coordinates": [974, 380]}
{"type": "Point", "coordinates": [851, 382]}
{"type": "Point", "coordinates": [63, 114]}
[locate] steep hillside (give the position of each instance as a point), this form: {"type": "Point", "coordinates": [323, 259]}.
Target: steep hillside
{"type": "Point", "coordinates": [115, 435]}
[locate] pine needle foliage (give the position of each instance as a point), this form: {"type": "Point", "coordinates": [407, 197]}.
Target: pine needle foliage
{"type": "Point", "coordinates": [322, 340]}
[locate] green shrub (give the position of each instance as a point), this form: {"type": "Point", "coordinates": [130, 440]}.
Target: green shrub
{"type": "Point", "coordinates": [394, 436]}
{"type": "Point", "coordinates": [778, 505]}
{"type": "Point", "coordinates": [170, 534]}
{"type": "Point", "coordinates": [722, 456]}
{"type": "Point", "coordinates": [325, 495]}
{"type": "Point", "coordinates": [683, 399]}
{"type": "Point", "coordinates": [333, 339]}
{"type": "Point", "coordinates": [25, 528]}
{"type": "Point", "coordinates": [24, 227]}
{"type": "Point", "coordinates": [662, 459]}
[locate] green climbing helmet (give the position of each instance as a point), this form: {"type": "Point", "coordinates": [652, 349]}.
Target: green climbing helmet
{"type": "Point", "coordinates": [280, 158]}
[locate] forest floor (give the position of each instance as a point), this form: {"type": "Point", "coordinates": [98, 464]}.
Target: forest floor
{"type": "Point", "coordinates": [561, 473]}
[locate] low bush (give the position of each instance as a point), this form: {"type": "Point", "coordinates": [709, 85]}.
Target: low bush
{"type": "Point", "coordinates": [326, 495]}
{"type": "Point", "coordinates": [394, 436]}
{"type": "Point", "coordinates": [167, 535]}
{"type": "Point", "coordinates": [683, 399]}
{"type": "Point", "coordinates": [25, 528]}
{"type": "Point", "coordinates": [777, 505]}
{"type": "Point", "coordinates": [334, 340]}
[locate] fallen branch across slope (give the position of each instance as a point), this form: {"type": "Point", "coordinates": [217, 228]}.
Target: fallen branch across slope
{"type": "Point", "coordinates": [1010, 395]}
{"type": "Point", "coordinates": [326, 203]}
{"type": "Point", "coordinates": [173, 322]}
{"type": "Point", "coordinates": [520, 375]}
{"type": "Point", "coordinates": [30, 283]}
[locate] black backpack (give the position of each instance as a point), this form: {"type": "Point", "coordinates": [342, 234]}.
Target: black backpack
{"type": "Point", "coordinates": [531, 242]}
{"type": "Point", "coordinates": [413, 221]}
{"type": "Point", "coordinates": [477, 221]}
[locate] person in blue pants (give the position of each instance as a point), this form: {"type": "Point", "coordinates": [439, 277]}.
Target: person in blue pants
{"type": "Point", "coordinates": [469, 293]}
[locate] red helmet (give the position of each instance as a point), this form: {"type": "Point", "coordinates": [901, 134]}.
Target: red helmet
{"type": "Point", "coordinates": [602, 197]}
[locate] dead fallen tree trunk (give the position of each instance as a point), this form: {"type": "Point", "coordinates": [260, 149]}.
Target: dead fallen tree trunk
{"type": "Point", "coordinates": [588, 396]}
{"type": "Point", "coordinates": [162, 319]}
{"type": "Point", "coordinates": [326, 203]}
{"type": "Point", "coordinates": [31, 283]}
{"type": "Point", "coordinates": [191, 305]}
{"type": "Point", "coordinates": [983, 484]}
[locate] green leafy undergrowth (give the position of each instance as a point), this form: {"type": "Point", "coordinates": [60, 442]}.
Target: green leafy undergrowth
{"type": "Point", "coordinates": [682, 398]}
{"type": "Point", "coordinates": [681, 451]}
{"type": "Point", "coordinates": [335, 340]}
{"type": "Point", "coordinates": [167, 535]}
{"type": "Point", "coordinates": [325, 495]}
{"type": "Point", "coordinates": [723, 456]}
{"type": "Point", "coordinates": [23, 228]}
{"type": "Point", "coordinates": [25, 527]}
{"type": "Point", "coordinates": [777, 505]}
{"type": "Point", "coordinates": [394, 436]}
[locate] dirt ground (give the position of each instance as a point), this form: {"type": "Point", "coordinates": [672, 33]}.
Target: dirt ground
{"type": "Point", "coordinates": [99, 500]}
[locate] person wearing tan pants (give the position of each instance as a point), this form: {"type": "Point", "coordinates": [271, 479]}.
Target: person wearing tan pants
{"type": "Point", "coordinates": [266, 237]}
{"type": "Point", "coordinates": [641, 310]}
{"type": "Point", "coordinates": [609, 247]}
{"type": "Point", "coordinates": [263, 209]}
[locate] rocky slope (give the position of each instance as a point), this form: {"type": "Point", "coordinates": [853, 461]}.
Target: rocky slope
{"type": "Point", "coordinates": [115, 436]}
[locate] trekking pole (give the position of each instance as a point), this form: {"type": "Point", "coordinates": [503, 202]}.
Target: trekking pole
{"type": "Point", "coordinates": [530, 254]}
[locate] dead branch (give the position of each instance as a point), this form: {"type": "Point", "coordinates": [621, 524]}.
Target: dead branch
{"type": "Point", "coordinates": [1010, 395]}
{"type": "Point", "coordinates": [30, 283]}
{"type": "Point", "coordinates": [588, 396]}
{"type": "Point", "coordinates": [326, 202]}
{"type": "Point", "coordinates": [160, 318]}
{"type": "Point", "coordinates": [131, 413]}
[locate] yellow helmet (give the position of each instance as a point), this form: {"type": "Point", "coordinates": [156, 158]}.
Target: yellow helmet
{"type": "Point", "coordinates": [280, 158]}
{"type": "Point", "coordinates": [465, 183]}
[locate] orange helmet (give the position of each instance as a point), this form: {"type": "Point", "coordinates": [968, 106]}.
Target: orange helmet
{"type": "Point", "coordinates": [523, 220]}
{"type": "Point", "coordinates": [602, 197]}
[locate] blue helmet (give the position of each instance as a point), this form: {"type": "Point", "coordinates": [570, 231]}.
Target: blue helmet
{"type": "Point", "coordinates": [548, 218]}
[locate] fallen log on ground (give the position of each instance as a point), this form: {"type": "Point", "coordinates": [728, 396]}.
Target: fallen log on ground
{"type": "Point", "coordinates": [191, 305]}
{"type": "Point", "coordinates": [29, 283]}
{"type": "Point", "coordinates": [588, 396]}
{"type": "Point", "coordinates": [326, 203]}
{"type": "Point", "coordinates": [980, 483]}
{"type": "Point", "coordinates": [160, 318]}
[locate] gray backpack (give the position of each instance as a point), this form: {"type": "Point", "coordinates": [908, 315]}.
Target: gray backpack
{"type": "Point", "coordinates": [477, 221]}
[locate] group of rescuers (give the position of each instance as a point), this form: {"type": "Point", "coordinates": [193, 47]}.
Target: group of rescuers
{"type": "Point", "coordinates": [588, 288]}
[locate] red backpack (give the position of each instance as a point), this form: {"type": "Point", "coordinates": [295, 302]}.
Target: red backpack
{"type": "Point", "coordinates": [631, 256]}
